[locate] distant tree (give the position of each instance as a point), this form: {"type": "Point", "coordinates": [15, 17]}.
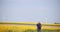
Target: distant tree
{"type": "Point", "coordinates": [56, 23]}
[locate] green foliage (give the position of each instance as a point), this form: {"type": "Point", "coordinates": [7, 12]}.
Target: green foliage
{"type": "Point", "coordinates": [42, 30]}
{"type": "Point", "coordinates": [29, 30]}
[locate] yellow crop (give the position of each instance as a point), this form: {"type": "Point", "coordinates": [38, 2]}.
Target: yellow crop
{"type": "Point", "coordinates": [14, 27]}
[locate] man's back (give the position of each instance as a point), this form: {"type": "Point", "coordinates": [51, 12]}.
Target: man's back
{"type": "Point", "coordinates": [39, 27]}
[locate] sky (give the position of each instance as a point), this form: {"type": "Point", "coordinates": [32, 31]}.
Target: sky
{"type": "Point", "coordinates": [30, 11]}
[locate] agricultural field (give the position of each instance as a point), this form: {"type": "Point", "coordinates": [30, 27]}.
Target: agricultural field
{"type": "Point", "coordinates": [15, 27]}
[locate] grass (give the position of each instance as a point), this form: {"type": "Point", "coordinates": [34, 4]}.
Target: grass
{"type": "Point", "coordinates": [29, 30]}
{"type": "Point", "coordinates": [42, 31]}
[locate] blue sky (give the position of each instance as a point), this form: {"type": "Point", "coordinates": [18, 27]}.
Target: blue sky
{"type": "Point", "coordinates": [30, 10]}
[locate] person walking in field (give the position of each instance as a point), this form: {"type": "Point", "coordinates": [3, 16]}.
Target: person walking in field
{"type": "Point", "coordinates": [38, 27]}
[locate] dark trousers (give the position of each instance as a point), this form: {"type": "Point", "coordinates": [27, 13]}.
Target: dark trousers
{"type": "Point", "coordinates": [38, 30]}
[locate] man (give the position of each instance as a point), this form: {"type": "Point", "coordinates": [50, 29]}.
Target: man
{"type": "Point", "coordinates": [39, 27]}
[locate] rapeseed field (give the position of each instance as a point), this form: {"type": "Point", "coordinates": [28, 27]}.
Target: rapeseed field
{"type": "Point", "coordinates": [25, 28]}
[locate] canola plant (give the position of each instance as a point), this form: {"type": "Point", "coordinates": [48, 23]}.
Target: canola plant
{"type": "Point", "coordinates": [17, 27]}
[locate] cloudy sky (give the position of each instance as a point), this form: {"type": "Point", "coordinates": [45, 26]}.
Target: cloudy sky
{"type": "Point", "coordinates": [30, 10]}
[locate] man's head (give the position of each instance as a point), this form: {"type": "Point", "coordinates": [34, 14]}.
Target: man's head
{"type": "Point", "coordinates": [39, 22]}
